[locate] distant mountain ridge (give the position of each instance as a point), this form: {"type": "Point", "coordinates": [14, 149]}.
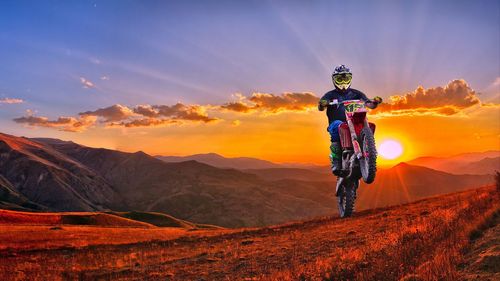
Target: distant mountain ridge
{"type": "Point", "coordinates": [465, 163]}
{"type": "Point", "coordinates": [405, 183]}
{"type": "Point", "coordinates": [51, 174]}
{"type": "Point", "coordinates": [474, 163]}
{"type": "Point", "coordinates": [216, 160]}
{"type": "Point", "coordinates": [187, 190]}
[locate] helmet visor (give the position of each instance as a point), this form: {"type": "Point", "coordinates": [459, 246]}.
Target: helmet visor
{"type": "Point", "coordinates": [344, 78]}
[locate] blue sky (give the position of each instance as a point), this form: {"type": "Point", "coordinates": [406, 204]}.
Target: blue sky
{"type": "Point", "coordinates": [202, 52]}
{"type": "Point", "coordinates": [206, 50]}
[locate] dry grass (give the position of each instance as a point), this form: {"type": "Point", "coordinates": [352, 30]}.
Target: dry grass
{"type": "Point", "coordinates": [419, 241]}
{"type": "Point", "coordinates": [425, 246]}
{"type": "Point", "coordinates": [68, 218]}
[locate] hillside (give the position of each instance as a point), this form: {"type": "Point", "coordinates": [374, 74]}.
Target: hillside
{"type": "Point", "coordinates": [300, 174]}
{"type": "Point", "coordinates": [482, 260]}
{"type": "Point", "coordinates": [162, 220]}
{"type": "Point", "coordinates": [400, 184]}
{"type": "Point", "coordinates": [191, 190]}
{"type": "Point", "coordinates": [50, 174]}
{"type": "Point", "coordinates": [405, 183]}
{"type": "Point", "coordinates": [69, 218]}
{"type": "Point", "coordinates": [101, 219]}
{"type": "Point", "coordinates": [10, 198]}
{"type": "Point", "coordinates": [33, 173]}
{"type": "Point", "coordinates": [418, 241]}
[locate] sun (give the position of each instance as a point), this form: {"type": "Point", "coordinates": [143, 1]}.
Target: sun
{"type": "Point", "coordinates": [390, 149]}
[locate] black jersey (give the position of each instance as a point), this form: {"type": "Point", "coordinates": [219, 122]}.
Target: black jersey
{"type": "Point", "coordinates": [337, 112]}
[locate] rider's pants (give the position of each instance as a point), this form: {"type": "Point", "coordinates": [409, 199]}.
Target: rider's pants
{"type": "Point", "coordinates": [333, 129]}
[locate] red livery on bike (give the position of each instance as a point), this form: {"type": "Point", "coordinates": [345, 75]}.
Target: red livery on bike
{"type": "Point", "coordinates": [359, 154]}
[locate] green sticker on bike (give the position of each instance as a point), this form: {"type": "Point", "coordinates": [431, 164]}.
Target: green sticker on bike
{"type": "Point", "coordinates": [353, 107]}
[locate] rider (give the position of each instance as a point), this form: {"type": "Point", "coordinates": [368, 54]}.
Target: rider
{"type": "Point", "coordinates": [342, 78]}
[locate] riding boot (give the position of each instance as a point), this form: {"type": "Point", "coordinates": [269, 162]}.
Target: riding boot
{"type": "Point", "coordinates": [335, 158]}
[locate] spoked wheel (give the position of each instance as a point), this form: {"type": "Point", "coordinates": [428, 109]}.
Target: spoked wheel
{"type": "Point", "coordinates": [346, 198]}
{"type": "Point", "coordinates": [368, 163]}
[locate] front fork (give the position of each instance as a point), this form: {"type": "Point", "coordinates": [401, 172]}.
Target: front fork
{"type": "Point", "coordinates": [354, 138]}
{"type": "Point", "coordinates": [344, 181]}
{"type": "Point", "coordinates": [355, 144]}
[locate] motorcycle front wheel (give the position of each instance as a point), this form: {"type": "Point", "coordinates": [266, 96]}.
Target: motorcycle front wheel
{"type": "Point", "coordinates": [368, 163]}
{"type": "Point", "coordinates": [346, 198]}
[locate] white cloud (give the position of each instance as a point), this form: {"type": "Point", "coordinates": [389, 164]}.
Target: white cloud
{"type": "Point", "coordinates": [11, 101]}
{"type": "Point", "coordinates": [87, 84]}
{"type": "Point", "coordinates": [95, 61]}
{"type": "Point", "coordinates": [496, 83]}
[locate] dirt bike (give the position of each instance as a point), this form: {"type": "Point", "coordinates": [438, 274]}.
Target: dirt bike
{"type": "Point", "coordinates": [359, 154]}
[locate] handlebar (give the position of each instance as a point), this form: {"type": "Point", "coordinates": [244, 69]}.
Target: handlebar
{"type": "Point", "coordinates": [336, 102]}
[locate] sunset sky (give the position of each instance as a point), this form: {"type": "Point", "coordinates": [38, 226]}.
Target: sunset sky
{"type": "Point", "coordinates": [242, 78]}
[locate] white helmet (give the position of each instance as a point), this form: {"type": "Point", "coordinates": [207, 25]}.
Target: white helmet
{"type": "Point", "coordinates": [342, 77]}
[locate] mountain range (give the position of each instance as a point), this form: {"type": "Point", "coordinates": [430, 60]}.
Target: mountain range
{"type": "Point", "coordinates": [478, 163]}
{"type": "Point", "coordinates": [216, 160]}
{"type": "Point", "coordinates": [64, 176]}
{"type": "Point", "coordinates": [240, 163]}
{"type": "Point", "coordinates": [405, 183]}
{"type": "Point", "coordinates": [50, 174]}
{"type": "Point", "coordinates": [473, 163]}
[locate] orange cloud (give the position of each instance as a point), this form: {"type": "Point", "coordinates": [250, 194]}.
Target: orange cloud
{"type": "Point", "coordinates": [178, 111]}
{"type": "Point", "coordinates": [122, 116]}
{"type": "Point", "coordinates": [112, 113]}
{"type": "Point", "coordinates": [449, 100]}
{"type": "Point", "coordinates": [490, 104]}
{"type": "Point", "coordinates": [285, 102]}
{"type": "Point", "coordinates": [145, 122]}
{"type": "Point", "coordinates": [159, 115]}
{"type": "Point", "coordinates": [69, 124]}
{"type": "Point", "coordinates": [181, 111]}
{"type": "Point", "coordinates": [270, 103]}
{"type": "Point", "coordinates": [146, 110]}
{"type": "Point", "coordinates": [444, 101]}
{"type": "Point", "coordinates": [238, 107]}
{"type": "Point", "coordinates": [11, 101]}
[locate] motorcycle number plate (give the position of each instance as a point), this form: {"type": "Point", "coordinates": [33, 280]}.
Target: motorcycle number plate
{"type": "Point", "coordinates": [354, 107]}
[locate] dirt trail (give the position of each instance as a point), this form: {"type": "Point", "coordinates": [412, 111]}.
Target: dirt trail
{"type": "Point", "coordinates": [388, 243]}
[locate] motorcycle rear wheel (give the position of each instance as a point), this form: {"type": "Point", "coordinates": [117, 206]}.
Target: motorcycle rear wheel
{"type": "Point", "coordinates": [346, 198]}
{"type": "Point", "coordinates": [368, 163]}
